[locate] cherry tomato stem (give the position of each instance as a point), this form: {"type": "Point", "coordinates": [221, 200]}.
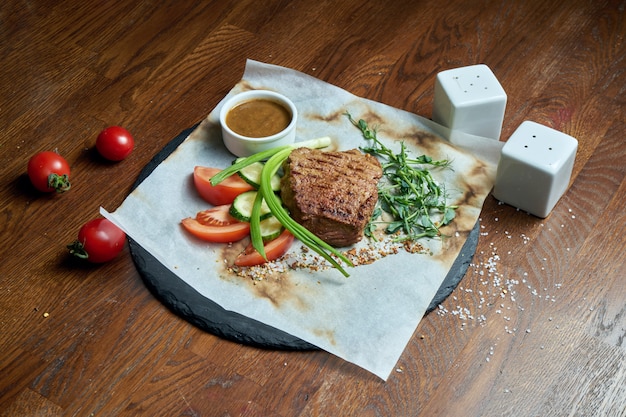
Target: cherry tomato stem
{"type": "Point", "coordinates": [60, 183]}
{"type": "Point", "coordinates": [78, 249]}
{"type": "Point", "coordinates": [99, 241]}
{"type": "Point", "coordinates": [48, 171]}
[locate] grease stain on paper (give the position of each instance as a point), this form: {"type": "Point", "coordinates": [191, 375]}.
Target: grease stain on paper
{"type": "Point", "coordinates": [326, 334]}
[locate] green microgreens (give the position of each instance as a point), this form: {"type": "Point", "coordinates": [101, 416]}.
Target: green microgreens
{"type": "Point", "coordinates": [410, 194]}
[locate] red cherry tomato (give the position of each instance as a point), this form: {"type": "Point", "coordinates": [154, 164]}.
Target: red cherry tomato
{"type": "Point", "coordinates": [216, 225]}
{"type": "Point", "coordinates": [48, 171]}
{"type": "Point", "coordinates": [115, 143]}
{"type": "Point", "coordinates": [222, 193]}
{"type": "Point", "coordinates": [99, 241]}
{"type": "Point", "coordinates": [274, 249]}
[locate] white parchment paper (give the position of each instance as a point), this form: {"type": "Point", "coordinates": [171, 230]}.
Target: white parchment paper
{"type": "Point", "coordinates": [366, 319]}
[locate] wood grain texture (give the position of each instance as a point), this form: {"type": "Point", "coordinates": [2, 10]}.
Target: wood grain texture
{"type": "Point", "coordinates": [537, 326]}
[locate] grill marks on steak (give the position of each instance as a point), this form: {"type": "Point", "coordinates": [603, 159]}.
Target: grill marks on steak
{"type": "Point", "coordinates": [332, 194]}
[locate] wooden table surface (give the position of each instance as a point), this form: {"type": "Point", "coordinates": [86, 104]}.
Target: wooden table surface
{"type": "Point", "coordinates": [537, 327]}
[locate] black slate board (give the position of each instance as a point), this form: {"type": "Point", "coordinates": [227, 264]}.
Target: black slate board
{"type": "Point", "coordinates": [186, 302]}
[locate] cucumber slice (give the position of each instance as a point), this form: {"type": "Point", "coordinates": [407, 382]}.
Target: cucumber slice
{"type": "Point", "coordinates": [252, 175]}
{"type": "Point", "coordinates": [241, 209]}
{"type": "Point", "coordinates": [271, 228]}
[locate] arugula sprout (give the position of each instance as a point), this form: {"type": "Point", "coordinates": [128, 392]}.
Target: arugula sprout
{"type": "Point", "coordinates": [410, 194]}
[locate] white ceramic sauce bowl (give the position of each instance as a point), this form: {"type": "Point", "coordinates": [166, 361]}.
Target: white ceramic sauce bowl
{"type": "Point", "coordinates": [241, 145]}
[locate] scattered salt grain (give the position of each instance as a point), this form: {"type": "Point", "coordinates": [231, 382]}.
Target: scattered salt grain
{"type": "Point", "coordinates": [498, 282]}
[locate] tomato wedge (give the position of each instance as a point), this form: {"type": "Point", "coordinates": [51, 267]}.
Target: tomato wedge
{"type": "Point", "coordinates": [216, 225]}
{"type": "Point", "coordinates": [222, 193]}
{"type": "Point", "coordinates": [274, 249]}
{"type": "Point", "coordinates": [216, 216]}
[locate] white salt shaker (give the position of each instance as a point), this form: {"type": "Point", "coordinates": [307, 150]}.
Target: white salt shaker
{"type": "Point", "coordinates": [535, 168]}
{"type": "Point", "coordinates": [470, 99]}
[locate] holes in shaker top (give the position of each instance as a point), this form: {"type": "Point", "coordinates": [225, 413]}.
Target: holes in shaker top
{"type": "Point", "coordinates": [456, 78]}
{"type": "Point", "coordinates": [550, 148]}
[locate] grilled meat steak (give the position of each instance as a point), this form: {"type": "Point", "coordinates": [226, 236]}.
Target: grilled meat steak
{"type": "Point", "coordinates": [332, 194]}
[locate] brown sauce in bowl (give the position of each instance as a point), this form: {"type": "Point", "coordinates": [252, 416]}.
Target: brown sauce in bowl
{"type": "Point", "coordinates": [258, 118]}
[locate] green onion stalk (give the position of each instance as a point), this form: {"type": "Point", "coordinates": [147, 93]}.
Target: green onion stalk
{"type": "Point", "coordinates": [275, 158]}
